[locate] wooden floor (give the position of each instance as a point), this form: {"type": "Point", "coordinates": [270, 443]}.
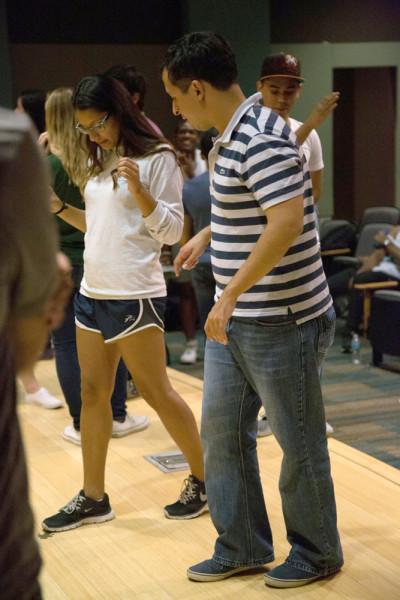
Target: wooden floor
{"type": "Point", "coordinates": [141, 555]}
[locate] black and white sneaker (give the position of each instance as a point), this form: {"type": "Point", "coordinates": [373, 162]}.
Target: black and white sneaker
{"type": "Point", "coordinates": [81, 510]}
{"type": "Point", "coordinates": [192, 501]}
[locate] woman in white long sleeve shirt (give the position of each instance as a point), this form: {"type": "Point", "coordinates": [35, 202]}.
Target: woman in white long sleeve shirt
{"type": "Point", "coordinates": [133, 206]}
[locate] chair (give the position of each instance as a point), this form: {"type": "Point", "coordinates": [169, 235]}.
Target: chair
{"type": "Point", "coordinates": [368, 290]}
{"type": "Point", "coordinates": [381, 214]}
{"type": "Point", "coordinates": [343, 268]}
{"type": "Point", "coordinates": [384, 325]}
{"type": "Point", "coordinates": [337, 237]}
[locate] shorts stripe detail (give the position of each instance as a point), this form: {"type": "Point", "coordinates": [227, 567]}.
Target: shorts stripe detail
{"type": "Point", "coordinates": [82, 326]}
{"type": "Point", "coordinates": [127, 332]}
{"type": "Point", "coordinates": [155, 312]}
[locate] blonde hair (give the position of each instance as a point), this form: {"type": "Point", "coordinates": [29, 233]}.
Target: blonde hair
{"type": "Point", "coordinates": [64, 139]}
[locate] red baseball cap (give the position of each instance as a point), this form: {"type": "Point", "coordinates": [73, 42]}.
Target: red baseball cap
{"type": "Point", "coordinates": [281, 65]}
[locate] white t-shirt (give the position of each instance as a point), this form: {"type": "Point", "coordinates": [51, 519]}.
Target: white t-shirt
{"type": "Point", "coordinates": [387, 265]}
{"type": "Point", "coordinates": [311, 147]}
{"type": "Point", "coordinates": [122, 248]}
{"type": "Point", "coordinates": [200, 165]}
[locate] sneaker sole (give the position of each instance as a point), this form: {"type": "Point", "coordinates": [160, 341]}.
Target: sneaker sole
{"type": "Point", "coordinates": [70, 439]}
{"type": "Point", "coordinates": [186, 517]}
{"type": "Point", "coordinates": [119, 434]}
{"type": "Point", "coordinates": [88, 521]}
{"type": "Point", "coordinates": [204, 577]}
{"type": "Point", "coordinates": [288, 583]}
{"type": "Point", "coordinates": [36, 403]}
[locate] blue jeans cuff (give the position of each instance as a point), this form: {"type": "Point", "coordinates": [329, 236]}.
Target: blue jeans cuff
{"type": "Point", "coordinates": [239, 563]}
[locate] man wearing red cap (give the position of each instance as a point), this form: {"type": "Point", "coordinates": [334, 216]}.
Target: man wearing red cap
{"type": "Point", "coordinates": [280, 85]}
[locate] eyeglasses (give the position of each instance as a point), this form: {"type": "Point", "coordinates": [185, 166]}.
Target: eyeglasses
{"type": "Point", "coordinates": [94, 128]}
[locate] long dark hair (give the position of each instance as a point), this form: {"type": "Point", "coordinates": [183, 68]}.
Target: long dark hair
{"type": "Point", "coordinates": [137, 138]}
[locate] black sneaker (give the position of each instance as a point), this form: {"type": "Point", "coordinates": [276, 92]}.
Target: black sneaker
{"type": "Point", "coordinates": [192, 501]}
{"type": "Point", "coordinates": [81, 510]}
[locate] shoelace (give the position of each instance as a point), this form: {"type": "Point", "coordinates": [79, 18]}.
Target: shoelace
{"type": "Point", "coordinates": [74, 504]}
{"type": "Point", "coordinates": [188, 492]}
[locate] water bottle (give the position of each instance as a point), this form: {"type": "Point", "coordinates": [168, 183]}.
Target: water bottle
{"type": "Point", "coordinates": [355, 349]}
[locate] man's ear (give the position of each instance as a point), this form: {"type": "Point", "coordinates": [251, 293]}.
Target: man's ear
{"type": "Point", "coordinates": [258, 85]}
{"type": "Point", "coordinates": [198, 89]}
{"type": "Point", "coordinates": [298, 92]}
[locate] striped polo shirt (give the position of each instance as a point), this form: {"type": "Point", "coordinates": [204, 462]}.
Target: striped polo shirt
{"type": "Point", "coordinates": [255, 164]}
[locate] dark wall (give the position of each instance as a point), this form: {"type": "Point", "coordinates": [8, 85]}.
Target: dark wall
{"type": "Point", "coordinates": [54, 43]}
{"type": "Point", "coordinates": [5, 69]}
{"type": "Point", "coordinates": [246, 24]}
{"type": "Point", "coordinates": [304, 21]}
{"type": "Point", "coordinates": [94, 22]}
{"type": "Point", "coordinates": [47, 66]}
{"type": "Point", "coordinates": [364, 140]}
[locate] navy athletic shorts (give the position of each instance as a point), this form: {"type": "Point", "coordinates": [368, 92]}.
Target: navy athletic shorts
{"type": "Point", "coordinates": [115, 319]}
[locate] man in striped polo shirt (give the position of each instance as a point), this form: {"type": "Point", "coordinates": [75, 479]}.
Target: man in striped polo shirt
{"type": "Point", "coordinates": [269, 329]}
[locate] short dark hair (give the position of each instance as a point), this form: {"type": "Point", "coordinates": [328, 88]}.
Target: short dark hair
{"type": "Point", "coordinates": [134, 81]}
{"type": "Point", "coordinates": [33, 103]}
{"type": "Point", "coordinates": [203, 55]}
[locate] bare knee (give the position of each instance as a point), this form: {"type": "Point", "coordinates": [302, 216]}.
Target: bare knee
{"type": "Point", "coordinates": [94, 393]}
{"type": "Point", "coordinates": [157, 396]}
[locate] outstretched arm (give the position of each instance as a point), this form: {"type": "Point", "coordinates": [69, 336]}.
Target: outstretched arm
{"type": "Point", "coordinates": [317, 116]}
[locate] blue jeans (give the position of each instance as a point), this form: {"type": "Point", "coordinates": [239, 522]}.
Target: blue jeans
{"type": "Point", "coordinates": [67, 365]}
{"type": "Point", "coordinates": [274, 362]}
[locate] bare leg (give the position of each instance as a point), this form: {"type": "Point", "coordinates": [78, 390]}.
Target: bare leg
{"type": "Point", "coordinates": [29, 381]}
{"type": "Point", "coordinates": [144, 355]}
{"type": "Point", "coordinates": [98, 362]}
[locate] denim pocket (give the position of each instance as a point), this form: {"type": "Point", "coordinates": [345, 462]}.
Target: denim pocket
{"type": "Point", "coordinates": [326, 334]}
{"type": "Point", "coordinates": [275, 321]}
{"type": "Point", "coordinates": [327, 320]}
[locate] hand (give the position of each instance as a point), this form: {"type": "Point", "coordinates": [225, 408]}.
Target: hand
{"type": "Point", "coordinates": [129, 169]}
{"type": "Point", "coordinates": [380, 237]}
{"type": "Point", "coordinates": [369, 262]}
{"type": "Point", "coordinates": [188, 256]}
{"type": "Point", "coordinates": [218, 318]}
{"type": "Point", "coordinates": [55, 306]}
{"type": "Point", "coordinates": [187, 164]}
{"type": "Point", "coordinates": [323, 109]}
{"type": "Point", "coordinates": [43, 141]}
{"type": "Point", "coordinates": [55, 201]}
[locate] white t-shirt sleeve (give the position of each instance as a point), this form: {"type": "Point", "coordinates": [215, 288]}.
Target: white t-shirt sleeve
{"type": "Point", "coordinates": [315, 162]}
{"type": "Point", "coordinates": [165, 223]}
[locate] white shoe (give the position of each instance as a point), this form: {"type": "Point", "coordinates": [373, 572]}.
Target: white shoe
{"type": "Point", "coordinates": [72, 435]}
{"type": "Point", "coordinates": [263, 427]}
{"type": "Point", "coordinates": [130, 425]}
{"type": "Point", "coordinates": [43, 398]}
{"type": "Point", "coordinates": [189, 355]}
{"type": "Point", "coordinates": [329, 428]}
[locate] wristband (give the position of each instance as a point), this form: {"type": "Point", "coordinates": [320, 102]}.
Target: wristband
{"type": "Point", "coordinates": [63, 207]}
